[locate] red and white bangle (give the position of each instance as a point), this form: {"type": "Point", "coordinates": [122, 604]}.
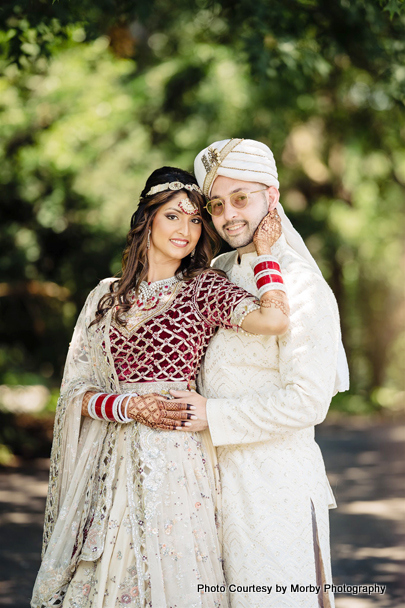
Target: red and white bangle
{"type": "Point", "coordinates": [267, 274]}
{"type": "Point", "coordinates": [103, 406]}
{"type": "Point", "coordinates": [122, 411]}
{"type": "Point", "coordinates": [91, 405]}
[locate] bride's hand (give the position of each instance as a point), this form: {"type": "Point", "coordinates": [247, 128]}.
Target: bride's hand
{"type": "Point", "coordinates": [150, 410]}
{"type": "Point", "coordinates": [267, 233]}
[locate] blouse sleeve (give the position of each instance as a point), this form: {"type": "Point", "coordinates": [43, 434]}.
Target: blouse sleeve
{"type": "Point", "coordinates": [222, 303]}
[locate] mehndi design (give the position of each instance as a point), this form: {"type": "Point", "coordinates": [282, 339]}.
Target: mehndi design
{"type": "Point", "coordinates": [277, 301]}
{"type": "Point", "coordinates": [150, 410]}
{"type": "Point", "coordinates": [267, 233]}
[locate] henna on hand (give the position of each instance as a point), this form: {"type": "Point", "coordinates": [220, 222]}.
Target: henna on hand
{"type": "Point", "coordinates": [170, 406]}
{"type": "Point", "coordinates": [267, 233]}
{"type": "Point", "coordinates": [150, 410]}
{"type": "Point", "coordinates": [180, 415]}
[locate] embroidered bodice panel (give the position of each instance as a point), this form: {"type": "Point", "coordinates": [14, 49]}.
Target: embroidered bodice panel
{"type": "Point", "coordinates": [168, 342]}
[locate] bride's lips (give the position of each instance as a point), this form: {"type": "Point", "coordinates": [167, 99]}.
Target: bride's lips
{"type": "Point", "coordinates": [179, 242]}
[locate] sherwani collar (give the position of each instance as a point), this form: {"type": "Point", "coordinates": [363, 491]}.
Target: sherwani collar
{"type": "Point", "coordinates": [248, 258]}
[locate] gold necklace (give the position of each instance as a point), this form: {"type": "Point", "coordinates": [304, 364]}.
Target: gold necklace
{"type": "Point", "coordinates": [150, 293]}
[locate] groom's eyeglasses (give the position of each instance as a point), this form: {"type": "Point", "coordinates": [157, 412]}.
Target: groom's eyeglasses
{"type": "Point", "coordinates": [239, 200]}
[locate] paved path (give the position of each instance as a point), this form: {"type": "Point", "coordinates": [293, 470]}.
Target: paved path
{"type": "Point", "coordinates": [365, 467]}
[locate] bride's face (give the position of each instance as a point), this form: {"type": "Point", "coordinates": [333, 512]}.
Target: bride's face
{"type": "Point", "coordinates": [174, 233]}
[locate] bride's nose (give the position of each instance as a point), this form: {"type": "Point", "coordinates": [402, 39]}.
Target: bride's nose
{"type": "Point", "coordinates": [184, 228]}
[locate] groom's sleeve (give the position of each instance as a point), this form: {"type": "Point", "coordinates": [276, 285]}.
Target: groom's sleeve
{"type": "Point", "coordinates": [307, 364]}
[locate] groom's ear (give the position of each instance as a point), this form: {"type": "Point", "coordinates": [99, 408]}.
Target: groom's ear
{"type": "Point", "coordinates": [273, 196]}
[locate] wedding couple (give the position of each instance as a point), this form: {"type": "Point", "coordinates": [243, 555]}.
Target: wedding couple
{"type": "Point", "coordinates": [136, 515]}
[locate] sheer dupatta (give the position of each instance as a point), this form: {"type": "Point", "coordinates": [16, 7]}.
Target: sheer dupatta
{"type": "Point", "coordinates": [83, 466]}
{"type": "Point", "coordinates": [76, 449]}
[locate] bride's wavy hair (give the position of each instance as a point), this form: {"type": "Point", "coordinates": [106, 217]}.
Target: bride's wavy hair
{"type": "Point", "coordinates": [135, 258]}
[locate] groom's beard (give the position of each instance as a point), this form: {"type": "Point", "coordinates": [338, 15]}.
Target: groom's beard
{"type": "Point", "coordinates": [245, 236]}
{"type": "Point", "coordinates": [242, 239]}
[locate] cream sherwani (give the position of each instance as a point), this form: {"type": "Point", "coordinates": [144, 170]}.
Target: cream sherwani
{"type": "Point", "coordinates": [265, 394]}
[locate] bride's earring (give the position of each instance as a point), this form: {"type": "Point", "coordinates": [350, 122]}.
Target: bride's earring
{"type": "Point", "coordinates": [148, 241]}
{"type": "Point", "coordinates": [192, 254]}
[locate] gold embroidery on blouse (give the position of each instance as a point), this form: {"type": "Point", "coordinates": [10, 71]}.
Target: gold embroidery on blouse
{"type": "Point", "coordinates": [137, 316]}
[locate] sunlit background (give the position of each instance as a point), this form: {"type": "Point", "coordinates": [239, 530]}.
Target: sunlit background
{"type": "Point", "coordinates": [90, 107]}
{"type": "Point", "coordinates": [96, 95]}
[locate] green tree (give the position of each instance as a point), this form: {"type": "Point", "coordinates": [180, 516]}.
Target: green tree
{"type": "Point", "coordinates": [97, 95]}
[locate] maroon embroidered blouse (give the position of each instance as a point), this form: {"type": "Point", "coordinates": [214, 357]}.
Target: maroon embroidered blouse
{"type": "Point", "coordinates": [168, 343]}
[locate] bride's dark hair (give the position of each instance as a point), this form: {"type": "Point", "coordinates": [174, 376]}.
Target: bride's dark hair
{"type": "Point", "coordinates": [135, 259]}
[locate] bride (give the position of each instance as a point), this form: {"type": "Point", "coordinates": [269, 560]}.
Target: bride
{"type": "Point", "coordinates": [132, 510]}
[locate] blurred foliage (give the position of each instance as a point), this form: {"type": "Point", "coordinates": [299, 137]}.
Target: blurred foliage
{"type": "Point", "coordinates": [94, 96]}
{"type": "Point", "coordinates": [25, 435]}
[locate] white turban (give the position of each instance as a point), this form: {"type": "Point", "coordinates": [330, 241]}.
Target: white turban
{"type": "Point", "coordinates": [251, 161]}
{"type": "Point", "coordinates": [241, 159]}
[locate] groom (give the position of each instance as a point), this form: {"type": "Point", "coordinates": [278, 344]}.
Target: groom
{"type": "Point", "coordinates": [265, 394]}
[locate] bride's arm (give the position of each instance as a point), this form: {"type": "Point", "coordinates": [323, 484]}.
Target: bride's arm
{"type": "Point", "coordinates": [273, 316]}
{"type": "Point", "coordinates": [150, 410]}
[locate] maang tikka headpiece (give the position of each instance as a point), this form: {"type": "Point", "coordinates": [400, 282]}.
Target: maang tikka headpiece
{"type": "Point", "coordinates": [187, 206]}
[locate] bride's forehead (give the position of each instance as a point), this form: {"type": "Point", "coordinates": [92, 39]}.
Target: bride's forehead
{"type": "Point", "coordinates": [174, 201]}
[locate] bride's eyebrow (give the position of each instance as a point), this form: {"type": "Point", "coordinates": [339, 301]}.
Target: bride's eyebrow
{"type": "Point", "coordinates": [180, 211]}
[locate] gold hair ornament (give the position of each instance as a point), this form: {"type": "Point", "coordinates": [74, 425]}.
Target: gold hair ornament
{"type": "Point", "coordinates": [173, 186]}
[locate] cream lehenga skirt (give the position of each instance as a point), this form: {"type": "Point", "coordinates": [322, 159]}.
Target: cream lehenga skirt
{"type": "Point", "coordinates": [175, 521]}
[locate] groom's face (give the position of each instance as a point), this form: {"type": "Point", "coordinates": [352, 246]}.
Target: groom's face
{"type": "Point", "coordinates": [237, 226]}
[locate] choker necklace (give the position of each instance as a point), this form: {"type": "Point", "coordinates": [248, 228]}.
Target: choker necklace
{"type": "Point", "coordinates": [150, 293]}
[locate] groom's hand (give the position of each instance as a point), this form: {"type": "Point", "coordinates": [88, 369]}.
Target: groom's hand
{"type": "Point", "coordinates": [192, 407]}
